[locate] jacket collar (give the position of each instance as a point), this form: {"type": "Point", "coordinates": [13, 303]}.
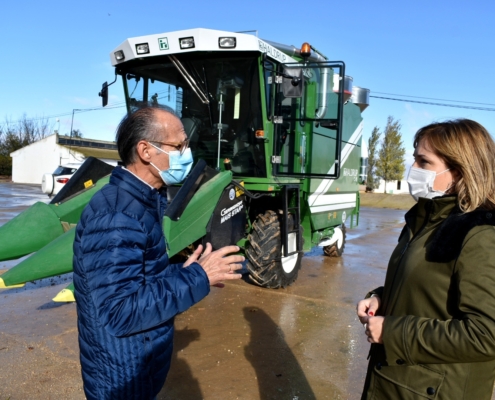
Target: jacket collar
{"type": "Point", "coordinates": [445, 244]}
{"type": "Point", "coordinates": [429, 210]}
{"type": "Point", "coordinates": [135, 186]}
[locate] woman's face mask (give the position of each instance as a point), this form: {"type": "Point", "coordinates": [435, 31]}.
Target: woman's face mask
{"type": "Point", "coordinates": [179, 166]}
{"type": "Point", "coordinates": [421, 183]}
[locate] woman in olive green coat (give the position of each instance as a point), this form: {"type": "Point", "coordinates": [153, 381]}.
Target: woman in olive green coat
{"type": "Point", "coordinates": [432, 325]}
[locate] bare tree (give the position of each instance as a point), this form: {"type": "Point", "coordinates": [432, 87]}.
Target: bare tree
{"type": "Point", "coordinates": [18, 134]}
{"type": "Point", "coordinates": [76, 133]}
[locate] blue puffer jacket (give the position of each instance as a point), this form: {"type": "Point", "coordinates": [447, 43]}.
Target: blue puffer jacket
{"type": "Point", "coordinates": [127, 292]}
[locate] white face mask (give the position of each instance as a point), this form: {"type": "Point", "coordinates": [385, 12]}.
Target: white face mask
{"type": "Point", "coordinates": [421, 183]}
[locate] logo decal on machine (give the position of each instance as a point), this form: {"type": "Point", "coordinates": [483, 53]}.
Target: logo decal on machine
{"type": "Point", "coordinates": [228, 213]}
{"type": "Point", "coordinates": [272, 51]}
{"type": "Point", "coordinates": [163, 43]}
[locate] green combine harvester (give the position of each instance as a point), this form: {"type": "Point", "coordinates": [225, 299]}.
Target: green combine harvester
{"type": "Point", "coordinates": [275, 132]}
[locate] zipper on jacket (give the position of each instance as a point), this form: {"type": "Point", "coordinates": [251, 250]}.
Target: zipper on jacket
{"type": "Point", "coordinates": [161, 215]}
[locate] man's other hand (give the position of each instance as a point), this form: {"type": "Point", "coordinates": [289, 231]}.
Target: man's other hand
{"type": "Point", "coordinates": [218, 265]}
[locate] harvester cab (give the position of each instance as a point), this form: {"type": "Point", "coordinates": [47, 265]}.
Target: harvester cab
{"type": "Point", "coordinates": [275, 132]}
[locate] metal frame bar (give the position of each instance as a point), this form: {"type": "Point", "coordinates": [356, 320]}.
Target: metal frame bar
{"type": "Point", "coordinates": [286, 189]}
{"type": "Point", "coordinates": [338, 122]}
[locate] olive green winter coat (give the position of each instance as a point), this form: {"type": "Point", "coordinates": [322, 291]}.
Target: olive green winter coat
{"type": "Point", "coordinates": [439, 306]}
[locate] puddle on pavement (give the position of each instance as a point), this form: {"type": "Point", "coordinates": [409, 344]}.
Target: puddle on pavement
{"type": "Point", "coordinates": [15, 198]}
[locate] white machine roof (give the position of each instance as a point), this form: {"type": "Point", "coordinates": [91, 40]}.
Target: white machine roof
{"type": "Point", "coordinates": [204, 40]}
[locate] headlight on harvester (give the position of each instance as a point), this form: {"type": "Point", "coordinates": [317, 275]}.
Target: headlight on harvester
{"type": "Point", "coordinates": [119, 55]}
{"type": "Point", "coordinates": [227, 42]}
{"type": "Point", "coordinates": [142, 48]}
{"type": "Point", "coordinates": [186, 43]}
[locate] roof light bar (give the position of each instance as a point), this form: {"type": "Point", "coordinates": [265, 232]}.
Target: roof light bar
{"type": "Point", "coordinates": [186, 43]}
{"type": "Point", "coordinates": [142, 48]}
{"type": "Point", "coordinates": [119, 55]}
{"type": "Point", "coordinates": [227, 42]}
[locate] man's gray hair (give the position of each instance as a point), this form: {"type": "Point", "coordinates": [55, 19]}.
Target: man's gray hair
{"type": "Point", "coordinates": [137, 126]}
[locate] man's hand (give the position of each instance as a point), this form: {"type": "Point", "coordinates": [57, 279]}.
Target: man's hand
{"type": "Point", "coordinates": [217, 265]}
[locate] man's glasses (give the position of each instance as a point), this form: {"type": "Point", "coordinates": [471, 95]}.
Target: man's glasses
{"type": "Point", "coordinates": [181, 147]}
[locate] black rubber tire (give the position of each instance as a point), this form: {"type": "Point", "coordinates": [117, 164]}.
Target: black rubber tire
{"type": "Point", "coordinates": [334, 250]}
{"type": "Point", "coordinates": [264, 253]}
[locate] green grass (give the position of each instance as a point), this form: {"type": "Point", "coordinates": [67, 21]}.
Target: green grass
{"type": "Point", "coordinates": [384, 200]}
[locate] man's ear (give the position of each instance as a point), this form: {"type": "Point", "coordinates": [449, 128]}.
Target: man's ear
{"type": "Point", "coordinates": [143, 150]}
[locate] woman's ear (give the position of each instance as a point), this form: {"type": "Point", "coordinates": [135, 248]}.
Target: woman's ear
{"type": "Point", "coordinates": [455, 178]}
{"type": "Point", "coordinates": [456, 175]}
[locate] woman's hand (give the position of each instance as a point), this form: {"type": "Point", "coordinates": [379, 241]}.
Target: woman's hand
{"type": "Point", "coordinates": [374, 329]}
{"type": "Point", "coordinates": [373, 326]}
{"type": "Point", "coordinates": [367, 308]}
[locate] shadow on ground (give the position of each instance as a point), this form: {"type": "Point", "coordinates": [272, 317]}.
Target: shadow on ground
{"type": "Point", "coordinates": [277, 369]}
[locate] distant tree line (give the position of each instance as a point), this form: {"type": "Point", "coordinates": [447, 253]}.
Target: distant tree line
{"type": "Point", "coordinates": [15, 135]}
{"type": "Point", "coordinates": [386, 162]}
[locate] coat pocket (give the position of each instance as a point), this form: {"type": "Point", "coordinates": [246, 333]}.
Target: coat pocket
{"type": "Point", "coordinates": [406, 382]}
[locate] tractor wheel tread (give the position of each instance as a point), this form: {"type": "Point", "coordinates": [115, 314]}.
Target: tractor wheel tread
{"type": "Point", "coordinates": [333, 250]}
{"type": "Point", "coordinates": [263, 252]}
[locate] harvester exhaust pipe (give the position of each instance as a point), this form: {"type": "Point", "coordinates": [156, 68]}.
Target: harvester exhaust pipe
{"type": "Point", "coordinates": [322, 107]}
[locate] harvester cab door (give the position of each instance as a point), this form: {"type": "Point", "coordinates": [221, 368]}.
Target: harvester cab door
{"type": "Point", "coordinates": [307, 113]}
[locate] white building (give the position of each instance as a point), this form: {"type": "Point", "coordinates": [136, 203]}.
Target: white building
{"type": "Point", "coordinates": [31, 162]}
{"type": "Point", "coordinates": [393, 187]}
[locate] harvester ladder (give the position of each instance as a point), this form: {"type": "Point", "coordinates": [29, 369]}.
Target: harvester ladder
{"type": "Point", "coordinates": [291, 192]}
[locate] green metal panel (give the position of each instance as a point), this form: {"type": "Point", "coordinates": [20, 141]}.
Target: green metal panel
{"type": "Point", "coordinates": [70, 211]}
{"type": "Point", "coordinates": [330, 218]}
{"type": "Point", "coordinates": [306, 224]}
{"type": "Point", "coordinates": [29, 231]}
{"type": "Point", "coordinates": [267, 124]}
{"type": "Point", "coordinates": [329, 198]}
{"type": "Point", "coordinates": [41, 223]}
{"type": "Point", "coordinates": [192, 224]}
{"type": "Point", "coordinates": [53, 259]}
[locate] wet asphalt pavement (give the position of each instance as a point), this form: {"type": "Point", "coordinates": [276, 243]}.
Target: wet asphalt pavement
{"type": "Point", "coordinates": [241, 342]}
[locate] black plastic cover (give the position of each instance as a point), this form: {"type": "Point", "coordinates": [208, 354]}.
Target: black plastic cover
{"type": "Point", "coordinates": [200, 174]}
{"type": "Point", "coordinates": [92, 169]}
{"type": "Point", "coordinates": [228, 223]}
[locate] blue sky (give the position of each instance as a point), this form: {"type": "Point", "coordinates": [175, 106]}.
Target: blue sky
{"type": "Point", "coordinates": [55, 54]}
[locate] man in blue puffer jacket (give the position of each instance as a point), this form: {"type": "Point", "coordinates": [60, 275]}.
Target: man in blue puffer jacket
{"type": "Point", "coordinates": [127, 292]}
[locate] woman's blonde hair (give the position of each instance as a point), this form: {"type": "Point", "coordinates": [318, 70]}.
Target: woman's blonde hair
{"type": "Point", "coordinates": [468, 149]}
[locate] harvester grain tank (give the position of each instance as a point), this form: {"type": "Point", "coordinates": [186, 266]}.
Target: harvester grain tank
{"type": "Point", "coordinates": [279, 131]}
